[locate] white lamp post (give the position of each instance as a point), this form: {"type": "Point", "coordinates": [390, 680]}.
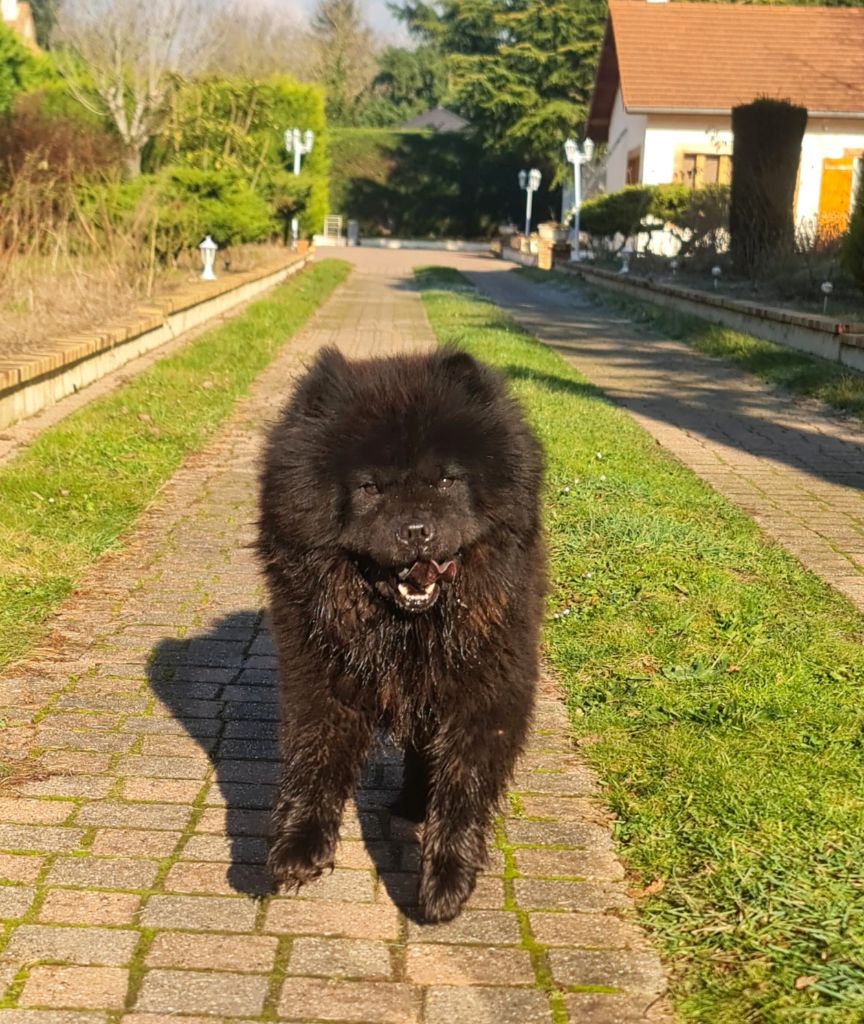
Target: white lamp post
{"type": "Point", "coordinates": [577, 155]}
{"type": "Point", "coordinates": [208, 257]}
{"type": "Point", "coordinates": [826, 288]}
{"type": "Point", "coordinates": [530, 182]}
{"type": "Point", "coordinates": [299, 143]}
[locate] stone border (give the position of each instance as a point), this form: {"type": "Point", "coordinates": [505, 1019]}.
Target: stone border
{"type": "Point", "coordinates": [43, 377]}
{"type": "Point", "coordinates": [838, 341]}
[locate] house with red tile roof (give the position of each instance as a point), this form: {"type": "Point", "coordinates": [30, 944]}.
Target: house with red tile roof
{"type": "Point", "coordinates": [670, 74]}
{"type": "Point", "coordinates": [19, 18]}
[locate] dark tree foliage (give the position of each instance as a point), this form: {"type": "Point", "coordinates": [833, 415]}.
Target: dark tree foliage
{"type": "Point", "coordinates": [766, 153]}
{"type": "Point", "coordinates": [44, 16]}
{"type": "Point", "coordinates": [853, 243]}
{"type": "Point", "coordinates": [408, 82]}
{"type": "Point", "coordinates": [521, 71]}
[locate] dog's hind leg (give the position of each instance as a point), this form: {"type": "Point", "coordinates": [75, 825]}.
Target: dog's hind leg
{"type": "Point", "coordinates": [414, 795]}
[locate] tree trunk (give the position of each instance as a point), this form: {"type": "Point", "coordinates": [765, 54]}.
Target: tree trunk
{"type": "Point", "coordinates": [132, 162]}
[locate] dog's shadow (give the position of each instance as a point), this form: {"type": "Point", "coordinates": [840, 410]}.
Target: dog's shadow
{"type": "Point", "coordinates": [222, 687]}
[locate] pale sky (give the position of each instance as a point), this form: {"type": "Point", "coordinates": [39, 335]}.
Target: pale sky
{"type": "Point", "coordinates": [375, 11]}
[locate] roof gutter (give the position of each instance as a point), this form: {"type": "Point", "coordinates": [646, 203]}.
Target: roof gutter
{"type": "Point", "coordinates": [833, 114]}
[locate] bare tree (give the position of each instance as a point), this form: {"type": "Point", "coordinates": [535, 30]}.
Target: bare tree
{"type": "Point", "coordinates": [343, 47]}
{"type": "Point", "coordinates": [259, 41]}
{"type": "Point", "coordinates": [122, 58]}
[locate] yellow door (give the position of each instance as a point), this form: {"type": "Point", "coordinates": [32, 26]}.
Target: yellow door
{"type": "Point", "coordinates": [835, 196]}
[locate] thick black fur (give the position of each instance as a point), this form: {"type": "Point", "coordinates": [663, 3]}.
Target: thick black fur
{"type": "Point", "coordinates": [382, 479]}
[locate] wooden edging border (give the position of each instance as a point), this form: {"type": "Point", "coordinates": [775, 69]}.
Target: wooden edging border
{"type": "Point", "coordinates": [36, 380]}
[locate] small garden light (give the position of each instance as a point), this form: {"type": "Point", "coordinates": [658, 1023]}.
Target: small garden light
{"type": "Point", "coordinates": [716, 273]}
{"type": "Point", "coordinates": [826, 288]}
{"type": "Point", "coordinates": [625, 255]}
{"type": "Point", "coordinates": [673, 266]}
{"type": "Point", "coordinates": [208, 258]}
{"type": "Point", "coordinates": [530, 182]}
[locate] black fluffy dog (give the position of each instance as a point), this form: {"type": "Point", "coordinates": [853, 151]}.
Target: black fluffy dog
{"type": "Point", "coordinates": [401, 541]}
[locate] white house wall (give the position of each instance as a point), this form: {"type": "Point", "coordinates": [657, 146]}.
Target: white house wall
{"type": "Point", "coordinates": [626, 133]}
{"type": "Point", "coordinates": [665, 136]}
{"type": "Point", "coordinates": [824, 139]}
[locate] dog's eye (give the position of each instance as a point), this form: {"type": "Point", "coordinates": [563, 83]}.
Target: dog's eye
{"type": "Point", "coordinates": [369, 488]}
{"type": "Point", "coordinates": [445, 483]}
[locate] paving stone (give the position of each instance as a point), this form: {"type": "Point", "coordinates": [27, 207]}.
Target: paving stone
{"type": "Point", "coordinates": [74, 906]}
{"type": "Point", "coordinates": [560, 808]}
{"type": "Point", "coordinates": [306, 999]}
{"type": "Point", "coordinates": [341, 958]}
{"type": "Point", "coordinates": [66, 739]}
{"type": "Point", "coordinates": [358, 921]}
{"type": "Point", "coordinates": [553, 833]}
{"type": "Point", "coordinates": [47, 839]}
{"type": "Point", "coordinates": [241, 795]}
{"type": "Point", "coordinates": [72, 987]}
{"type": "Point", "coordinates": [54, 1017]}
{"type": "Point", "coordinates": [546, 863]}
{"type": "Point", "coordinates": [467, 965]}
{"type": "Point", "coordinates": [212, 952]}
{"type": "Point", "coordinates": [609, 1008]}
{"type": "Point", "coordinates": [202, 913]}
{"type": "Point", "coordinates": [486, 1006]}
{"type": "Point", "coordinates": [488, 927]}
{"type": "Point", "coordinates": [179, 791]}
{"type": "Point", "coordinates": [233, 995]}
{"type": "Point", "coordinates": [90, 787]}
{"type": "Point", "coordinates": [109, 946]}
{"type": "Point", "coordinates": [102, 873]}
{"type": "Point", "coordinates": [74, 761]}
{"type": "Point", "coordinates": [133, 843]}
{"type": "Point", "coordinates": [245, 849]}
{"type": "Point", "coordinates": [14, 900]}
{"type": "Point", "coordinates": [20, 868]}
{"type": "Point", "coordinates": [164, 767]}
{"type": "Point", "coordinates": [638, 971]}
{"type": "Point", "coordinates": [532, 894]}
{"type": "Point", "coordinates": [149, 816]}
{"type": "Point", "coordinates": [590, 931]}
{"type": "Point", "coordinates": [217, 877]}
{"type": "Point", "coordinates": [21, 811]}
{"type": "Point", "coordinates": [243, 822]}
{"type": "Point", "coordinates": [357, 886]}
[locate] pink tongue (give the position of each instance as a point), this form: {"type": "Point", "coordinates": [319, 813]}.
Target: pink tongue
{"type": "Point", "coordinates": [422, 574]}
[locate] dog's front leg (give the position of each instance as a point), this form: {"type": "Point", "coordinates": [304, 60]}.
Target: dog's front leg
{"type": "Point", "coordinates": [472, 764]}
{"type": "Point", "coordinates": [324, 748]}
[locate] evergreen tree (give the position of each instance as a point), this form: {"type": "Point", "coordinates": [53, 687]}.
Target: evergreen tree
{"type": "Point", "coordinates": [408, 82]}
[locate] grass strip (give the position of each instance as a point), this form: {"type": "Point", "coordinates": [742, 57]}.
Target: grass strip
{"type": "Point", "coordinates": [75, 490]}
{"type": "Point", "coordinates": [714, 684]}
{"type": "Point", "coordinates": [798, 372]}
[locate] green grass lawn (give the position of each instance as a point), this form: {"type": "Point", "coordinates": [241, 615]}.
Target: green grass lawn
{"type": "Point", "coordinates": [71, 495]}
{"type": "Point", "coordinates": [717, 688]}
{"type": "Point", "coordinates": [798, 372]}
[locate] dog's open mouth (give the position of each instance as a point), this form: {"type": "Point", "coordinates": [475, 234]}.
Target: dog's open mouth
{"type": "Point", "coordinates": [417, 586]}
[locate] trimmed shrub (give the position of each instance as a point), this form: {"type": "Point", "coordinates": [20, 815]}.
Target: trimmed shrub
{"type": "Point", "coordinates": [766, 153]}
{"type": "Point", "coordinates": [852, 251]}
{"type": "Point", "coordinates": [616, 213]}
{"type": "Point", "coordinates": [237, 126]}
{"type": "Point", "coordinates": [428, 185]}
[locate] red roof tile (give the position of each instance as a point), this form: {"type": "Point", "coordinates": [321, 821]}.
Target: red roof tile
{"type": "Point", "coordinates": [713, 56]}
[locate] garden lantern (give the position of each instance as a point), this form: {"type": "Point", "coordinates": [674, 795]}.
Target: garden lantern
{"type": "Point", "coordinates": [299, 143]}
{"type": "Point", "coordinates": [530, 182]}
{"type": "Point", "coordinates": [625, 254]}
{"type": "Point", "coordinates": [673, 266]}
{"type": "Point", "coordinates": [577, 155]}
{"type": "Point", "coordinates": [208, 258]}
{"type": "Point", "coordinates": [716, 273]}
{"type": "Point", "coordinates": [826, 288]}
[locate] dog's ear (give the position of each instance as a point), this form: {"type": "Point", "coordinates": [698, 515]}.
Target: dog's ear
{"type": "Point", "coordinates": [478, 380]}
{"type": "Point", "coordinates": [324, 385]}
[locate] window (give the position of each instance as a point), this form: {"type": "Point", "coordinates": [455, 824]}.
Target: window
{"type": "Point", "coordinates": [699, 169]}
{"type": "Point", "coordinates": [633, 167]}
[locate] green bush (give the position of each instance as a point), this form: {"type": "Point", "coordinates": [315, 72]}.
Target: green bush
{"type": "Point", "coordinates": [767, 151]}
{"type": "Point", "coordinates": [237, 126]}
{"type": "Point", "coordinates": [16, 66]}
{"type": "Point", "coordinates": [696, 216]}
{"type": "Point", "coordinates": [173, 210]}
{"type": "Point", "coordinates": [852, 251]}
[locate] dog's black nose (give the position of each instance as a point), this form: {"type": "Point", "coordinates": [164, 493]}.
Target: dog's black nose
{"type": "Point", "coordinates": [411, 533]}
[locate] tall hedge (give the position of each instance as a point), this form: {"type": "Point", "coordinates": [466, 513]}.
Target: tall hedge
{"type": "Point", "coordinates": [766, 153]}
{"type": "Point", "coordinates": [429, 185]}
{"type": "Point", "coordinates": [237, 126]}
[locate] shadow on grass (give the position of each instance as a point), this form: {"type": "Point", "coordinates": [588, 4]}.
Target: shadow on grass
{"type": "Point", "coordinates": [222, 687]}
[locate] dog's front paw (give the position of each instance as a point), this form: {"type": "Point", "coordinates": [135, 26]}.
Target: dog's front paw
{"type": "Point", "coordinates": [298, 857]}
{"type": "Point", "coordinates": [444, 888]}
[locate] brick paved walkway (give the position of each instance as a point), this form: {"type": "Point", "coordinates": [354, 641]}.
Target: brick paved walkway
{"type": "Point", "coordinates": [132, 855]}
{"type": "Point", "coordinates": [794, 468]}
